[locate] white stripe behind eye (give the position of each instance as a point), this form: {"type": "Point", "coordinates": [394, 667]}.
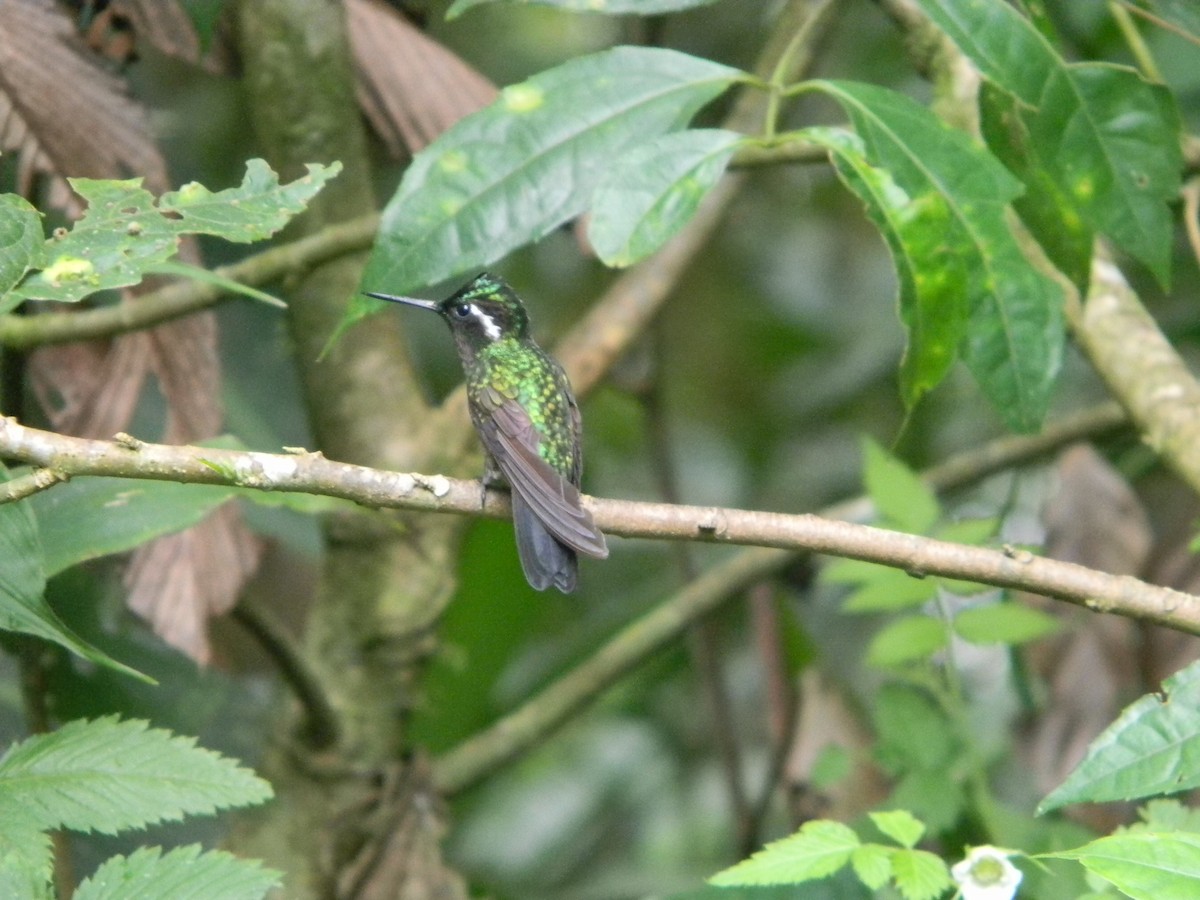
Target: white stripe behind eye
{"type": "Point", "coordinates": [490, 329]}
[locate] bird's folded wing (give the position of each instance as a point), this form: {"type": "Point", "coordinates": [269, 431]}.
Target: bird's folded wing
{"type": "Point", "coordinates": [509, 436]}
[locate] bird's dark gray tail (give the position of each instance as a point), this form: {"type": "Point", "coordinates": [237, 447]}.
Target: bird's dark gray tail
{"type": "Point", "coordinates": [544, 560]}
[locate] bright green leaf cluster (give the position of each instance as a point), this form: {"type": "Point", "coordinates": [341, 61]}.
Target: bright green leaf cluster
{"type": "Point", "coordinates": [126, 233]}
{"type": "Point", "coordinates": [905, 503]}
{"type": "Point", "coordinates": [822, 847]}
{"type": "Point", "coordinates": [108, 776]}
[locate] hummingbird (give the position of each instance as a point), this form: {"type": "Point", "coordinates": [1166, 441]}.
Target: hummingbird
{"type": "Point", "coordinates": [528, 422]}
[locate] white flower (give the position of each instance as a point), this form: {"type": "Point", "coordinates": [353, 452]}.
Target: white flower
{"type": "Point", "coordinates": [986, 874]}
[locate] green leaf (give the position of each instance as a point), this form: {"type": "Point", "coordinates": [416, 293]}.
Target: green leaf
{"type": "Point", "coordinates": [611, 7]}
{"type": "Point", "coordinates": [961, 261]}
{"type": "Point", "coordinates": [26, 855]}
{"type": "Point", "coordinates": [23, 605]}
{"type": "Point", "coordinates": [1168, 815]}
{"type": "Point", "coordinates": [1108, 138]}
{"type": "Point", "coordinates": [1152, 748]}
{"type": "Point", "coordinates": [1045, 207]}
{"type": "Point", "coordinates": [919, 874]}
{"type": "Point", "coordinates": [20, 245]}
{"type": "Point", "coordinates": [890, 591]}
{"type": "Point", "coordinates": [900, 825]}
{"type": "Point", "coordinates": [817, 850]}
{"type": "Point", "coordinates": [1003, 623]}
{"type": "Point", "coordinates": [1144, 865]}
{"type": "Point", "coordinates": [109, 775]}
{"type": "Point", "coordinates": [968, 531]}
{"type": "Point", "coordinates": [208, 276]}
{"type": "Point", "coordinates": [125, 233]}
{"type": "Point", "coordinates": [1183, 14]}
{"type": "Point", "coordinates": [86, 518]}
{"type": "Point", "coordinates": [184, 873]}
{"type": "Point", "coordinates": [935, 795]}
{"type": "Point", "coordinates": [872, 864]}
{"type": "Point", "coordinates": [906, 640]}
{"type": "Point", "coordinates": [932, 280]}
{"type": "Point", "coordinates": [903, 500]}
{"type": "Point", "coordinates": [913, 731]}
{"type": "Point", "coordinates": [652, 191]}
{"type": "Point", "coordinates": [519, 168]}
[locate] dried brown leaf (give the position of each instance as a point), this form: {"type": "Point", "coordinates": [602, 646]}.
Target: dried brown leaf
{"type": "Point", "coordinates": [827, 720]}
{"type": "Point", "coordinates": [178, 582]}
{"type": "Point", "coordinates": [64, 112]}
{"type": "Point", "coordinates": [166, 25]}
{"type": "Point", "coordinates": [410, 87]}
{"type": "Point", "coordinates": [91, 390]}
{"type": "Point", "coordinates": [1094, 518]}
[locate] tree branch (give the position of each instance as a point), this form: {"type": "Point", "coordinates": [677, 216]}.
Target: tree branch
{"type": "Point", "coordinates": [541, 714]}
{"type": "Point", "coordinates": [186, 297]}
{"type": "Point", "coordinates": [312, 473]}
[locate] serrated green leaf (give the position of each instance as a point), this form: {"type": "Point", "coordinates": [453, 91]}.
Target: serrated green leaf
{"type": "Point", "coordinates": [1152, 748]}
{"type": "Point", "coordinates": [902, 499]}
{"type": "Point", "coordinates": [1167, 815]}
{"type": "Point", "coordinates": [108, 775]}
{"type": "Point", "coordinates": [610, 7]}
{"type": "Point", "coordinates": [817, 850]}
{"type": "Point", "coordinates": [1109, 139]}
{"type": "Point", "coordinates": [900, 825]}
{"type": "Point", "coordinates": [965, 260]}
{"type": "Point", "coordinates": [125, 232]}
{"type": "Point", "coordinates": [906, 640]}
{"type": "Point", "coordinates": [652, 191]}
{"type": "Point", "coordinates": [872, 864]}
{"type": "Point", "coordinates": [1144, 865]}
{"type": "Point", "coordinates": [184, 873]}
{"type": "Point", "coordinates": [919, 874]}
{"type": "Point", "coordinates": [23, 605]}
{"type": "Point", "coordinates": [20, 245]}
{"type": "Point", "coordinates": [26, 855]}
{"type": "Point", "coordinates": [512, 172]}
{"type": "Point", "coordinates": [1003, 623]}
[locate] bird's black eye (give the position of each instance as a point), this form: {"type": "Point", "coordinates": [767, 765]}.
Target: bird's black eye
{"type": "Point", "coordinates": [462, 310]}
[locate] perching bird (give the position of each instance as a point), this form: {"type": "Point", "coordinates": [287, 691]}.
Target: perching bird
{"type": "Point", "coordinates": [527, 418]}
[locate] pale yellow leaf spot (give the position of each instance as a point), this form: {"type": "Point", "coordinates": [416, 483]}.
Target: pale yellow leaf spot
{"type": "Point", "coordinates": [450, 207]}
{"type": "Point", "coordinates": [1084, 188]}
{"type": "Point", "coordinates": [523, 98]}
{"type": "Point", "coordinates": [70, 269]}
{"type": "Point", "coordinates": [191, 192]}
{"type": "Point", "coordinates": [452, 161]}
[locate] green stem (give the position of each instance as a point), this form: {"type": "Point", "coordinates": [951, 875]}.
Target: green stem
{"type": "Point", "coordinates": [1135, 41]}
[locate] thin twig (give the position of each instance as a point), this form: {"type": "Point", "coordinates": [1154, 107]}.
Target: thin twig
{"type": "Point", "coordinates": [312, 473]}
{"type": "Point", "coordinates": [26, 485]}
{"type": "Point", "coordinates": [322, 726]}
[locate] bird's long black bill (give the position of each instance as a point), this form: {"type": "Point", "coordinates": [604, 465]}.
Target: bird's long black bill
{"type": "Point", "coordinates": [407, 301]}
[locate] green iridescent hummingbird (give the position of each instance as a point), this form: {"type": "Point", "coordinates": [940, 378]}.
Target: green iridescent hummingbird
{"type": "Point", "coordinates": [526, 416]}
